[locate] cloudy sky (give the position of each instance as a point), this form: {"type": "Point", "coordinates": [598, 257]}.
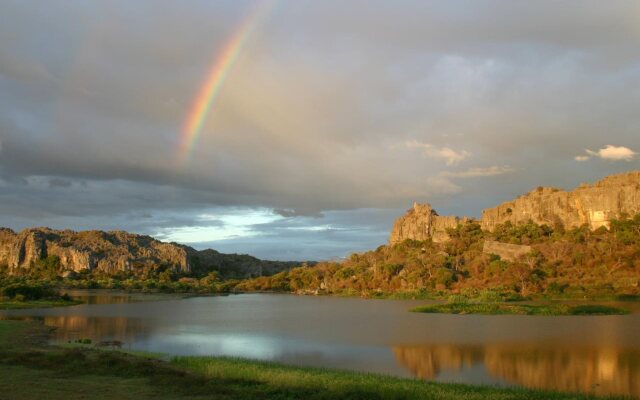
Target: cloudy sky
{"type": "Point", "coordinates": [334, 118]}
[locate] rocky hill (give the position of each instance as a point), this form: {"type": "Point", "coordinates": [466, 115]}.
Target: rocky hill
{"type": "Point", "coordinates": [421, 223]}
{"type": "Point", "coordinates": [121, 252]}
{"type": "Point", "coordinates": [594, 205]}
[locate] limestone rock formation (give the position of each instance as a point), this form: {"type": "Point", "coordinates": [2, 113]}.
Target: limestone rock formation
{"type": "Point", "coordinates": [119, 251]}
{"type": "Point", "coordinates": [506, 251]}
{"type": "Point", "coordinates": [594, 205]}
{"type": "Point", "coordinates": [90, 250]}
{"type": "Point", "coordinates": [421, 223]}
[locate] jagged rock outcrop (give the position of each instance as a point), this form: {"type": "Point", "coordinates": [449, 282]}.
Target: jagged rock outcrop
{"type": "Point", "coordinates": [422, 223]}
{"type": "Point", "coordinates": [594, 205]}
{"type": "Point", "coordinates": [90, 250]}
{"type": "Point", "coordinates": [119, 251]}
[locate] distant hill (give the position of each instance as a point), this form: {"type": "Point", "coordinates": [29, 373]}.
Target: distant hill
{"type": "Point", "coordinates": [119, 252]}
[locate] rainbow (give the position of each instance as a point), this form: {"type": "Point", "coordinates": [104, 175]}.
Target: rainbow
{"type": "Point", "coordinates": [210, 89]}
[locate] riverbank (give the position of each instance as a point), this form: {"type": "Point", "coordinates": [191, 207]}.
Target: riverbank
{"type": "Point", "coordinates": [21, 305]}
{"type": "Point", "coordinates": [520, 309]}
{"type": "Point", "coordinates": [30, 369]}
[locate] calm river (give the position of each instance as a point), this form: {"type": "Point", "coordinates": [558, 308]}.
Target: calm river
{"type": "Point", "coordinates": [587, 354]}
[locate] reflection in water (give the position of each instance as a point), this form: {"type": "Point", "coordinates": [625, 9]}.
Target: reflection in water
{"type": "Point", "coordinates": [601, 370]}
{"type": "Point", "coordinates": [125, 330]}
{"type": "Point", "coordinates": [589, 354]}
{"type": "Point", "coordinates": [105, 296]}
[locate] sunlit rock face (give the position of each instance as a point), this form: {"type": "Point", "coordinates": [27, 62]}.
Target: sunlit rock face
{"type": "Point", "coordinates": [118, 251]}
{"type": "Point", "coordinates": [91, 250]}
{"type": "Point", "coordinates": [423, 223]}
{"type": "Point", "coordinates": [552, 367]}
{"type": "Point", "coordinates": [506, 251]}
{"type": "Point", "coordinates": [594, 205]}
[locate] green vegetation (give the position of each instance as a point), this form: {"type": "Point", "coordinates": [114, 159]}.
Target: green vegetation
{"type": "Point", "coordinates": [17, 305]}
{"type": "Point", "coordinates": [563, 264]}
{"type": "Point", "coordinates": [520, 309]}
{"type": "Point", "coordinates": [31, 370]}
{"type": "Point", "coordinates": [21, 292]}
{"type": "Point", "coordinates": [596, 309]}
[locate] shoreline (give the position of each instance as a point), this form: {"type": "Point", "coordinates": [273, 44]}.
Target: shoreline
{"type": "Point", "coordinates": [28, 366]}
{"type": "Point", "coordinates": [548, 310]}
{"type": "Point", "coordinates": [7, 305]}
{"type": "Point", "coordinates": [415, 295]}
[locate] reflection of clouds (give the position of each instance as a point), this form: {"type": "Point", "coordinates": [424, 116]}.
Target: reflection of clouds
{"type": "Point", "coordinates": [555, 367]}
{"type": "Point", "coordinates": [247, 346]}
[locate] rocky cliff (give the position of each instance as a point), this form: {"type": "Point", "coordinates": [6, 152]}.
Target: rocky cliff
{"type": "Point", "coordinates": [118, 251]}
{"type": "Point", "coordinates": [90, 250]}
{"type": "Point", "coordinates": [421, 223]}
{"type": "Point", "coordinates": [595, 205]}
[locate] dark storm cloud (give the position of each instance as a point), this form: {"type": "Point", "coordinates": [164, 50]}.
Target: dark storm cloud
{"type": "Point", "coordinates": [330, 106]}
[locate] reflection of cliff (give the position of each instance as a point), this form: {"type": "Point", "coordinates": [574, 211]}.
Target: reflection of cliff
{"type": "Point", "coordinates": [96, 328]}
{"type": "Point", "coordinates": [427, 361]}
{"type": "Point", "coordinates": [106, 299]}
{"type": "Point", "coordinates": [565, 368]}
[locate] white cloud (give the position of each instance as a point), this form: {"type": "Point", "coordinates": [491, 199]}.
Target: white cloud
{"type": "Point", "coordinates": [240, 223]}
{"type": "Point", "coordinates": [479, 172]}
{"type": "Point", "coordinates": [451, 156]}
{"type": "Point", "coordinates": [609, 152]}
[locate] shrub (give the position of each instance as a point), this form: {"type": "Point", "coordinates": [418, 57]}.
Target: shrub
{"type": "Point", "coordinates": [556, 288]}
{"type": "Point", "coordinates": [490, 296]}
{"type": "Point", "coordinates": [443, 276]}
{"type": "Point", "coordinates": [28, 292]}
{"type": "Point", "coordinates": [392, 269]}
{"type": "Point", "coordinates": [457, 299]}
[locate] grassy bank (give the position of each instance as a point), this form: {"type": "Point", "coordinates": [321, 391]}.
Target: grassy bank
{"type": "Point", "coordinates": [20, 292]}
{"type": "Point", "coordinates": [29, 369]}
{"type": "Point", "coordinates": [520, 309]}
{"type": "Point", "coordinates": [17, 305]}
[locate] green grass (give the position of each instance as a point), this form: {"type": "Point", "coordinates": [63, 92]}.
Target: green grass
{"type": "Point", "coordinates": [30, 369]}
{"type": "Point", "coordinates": [275, 381]}
{"type": "Point", "coordinates": [520, 309]}
{"type": "Point", "coordinates": [18, 305]}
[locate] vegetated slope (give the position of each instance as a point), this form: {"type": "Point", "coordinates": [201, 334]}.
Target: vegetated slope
{"type": "Point", "coordinates": [574, 263]}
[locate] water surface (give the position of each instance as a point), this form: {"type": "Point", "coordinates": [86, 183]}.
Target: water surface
{"type": "Point", "coordinates": [593, 354]}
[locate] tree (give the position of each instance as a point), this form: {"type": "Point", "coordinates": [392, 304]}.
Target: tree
{"type": "Point", "coordinates": [165, 276]}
